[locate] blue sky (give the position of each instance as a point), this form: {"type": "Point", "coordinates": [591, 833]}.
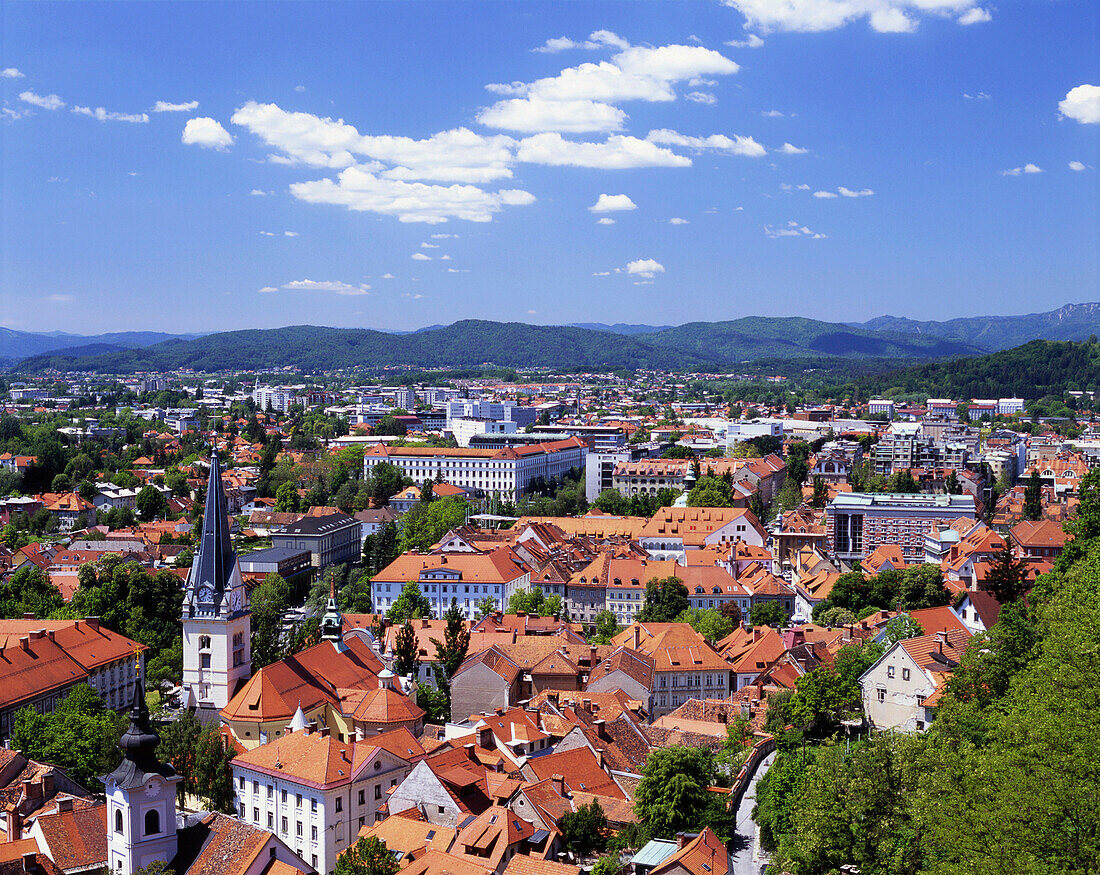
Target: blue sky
{"type": "Point", "coordinates": [205, 166]}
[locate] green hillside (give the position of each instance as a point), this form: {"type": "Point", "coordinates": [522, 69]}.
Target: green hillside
{"type": "Point", "coordinates": [756, 337]}
{"type": "Point", "coordinates": [1036, 369]}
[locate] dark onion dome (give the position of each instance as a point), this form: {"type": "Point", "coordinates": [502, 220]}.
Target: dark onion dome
{"type": "Point", "coordinates": [139, 749]}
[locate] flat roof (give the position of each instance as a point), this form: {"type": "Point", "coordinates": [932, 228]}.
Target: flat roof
{"type": "Point", "coordinates": [273, 554]}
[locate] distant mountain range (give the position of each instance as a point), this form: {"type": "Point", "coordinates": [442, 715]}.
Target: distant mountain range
{"type": "Point", "coordinates": [720, 346]}
{"type": "Point", "coordinates": [16, 345]}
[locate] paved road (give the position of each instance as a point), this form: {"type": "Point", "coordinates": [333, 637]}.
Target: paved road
{"type": "Point", "coordinates": [749, 858]}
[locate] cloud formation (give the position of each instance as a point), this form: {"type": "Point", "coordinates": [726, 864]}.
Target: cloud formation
{"type": "Point", "coordinates": [1081, 104]}
{"type": "Point", "coordinates": [611, 203]}
{"type": "Point", "coordinates": [582, 99]}
{"type": "Point", "coordinates": [206, 132]}
{"type": "Point", "coordinates": [103, 115]}
{"type": "Point", "coordinates": [884, 16]}
{"type": "Point", "coordinates": [339, 288]}
{"type": "Point", "coordinates": [791, 229]}
{"type": "Point", "coordinates": [606, 220]}
{"type": "Point", "coordinates": [42, 101]}
{"type": "Point", "coordinates": [1076, 165]}
{"type": "Point", "coordinates": [736, 145]}
{"type": "Point", "coordinates": [644, 268]}
{"type": "Point", "coordinates": [165, 106]}
{"type": "Point", "coordinates": [1027, 168]}
{"type": "Point", "coordinates": [10, 73]}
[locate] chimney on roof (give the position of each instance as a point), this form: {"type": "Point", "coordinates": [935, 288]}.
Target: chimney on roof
{"type": "Point", "coordinates": [13, 821]}
{"type": "Point", "coordinates": [486, 739]}
{"type": "Point", "coordinates": [92, 622]}
{"type": "Point", "coordinates": [424, 623]}
{"type": "Point", "coordinates": [681, 840]}
{"type": "Point", "coordinates": [601, 727]}
{"type": "Point", "coordinates": [64, 803]}
{"type": "Point", "coordinates": [25, 643]}
{"type": "Point", "coordinates": [941, 640]}
{"type": "Point", "coordinates": [325, 732]}
{"type": "Point", "coordinates": [599, 757]}
{"type": "Point", "coordinates": [29, 617]}
{"type": "Point", "coordinates": [636, 636]}
{"type": "Point", "coordinates": [47, 785]}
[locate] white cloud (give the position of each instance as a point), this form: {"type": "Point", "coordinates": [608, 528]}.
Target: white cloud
{"type": "Point", "coordinates": [444, 236]}
{"type": "Point", "coordinates": [207, 133]}
{"type": "Point", "coordinates": [825, 194]}
{"type": "Point", "coordinates": [290, 233]}
{"type": "Point", "coordinates": [1080, 104]}
{"type": "Point", "coordinates": [892, 20]}
{"type": "Point", "coordinates": [701, 97]}
{"type": "Point", "coordinates": [103, 115]}
{"type": "Point", "coordinates": [327, 286]}
{"type": "Point", "coordinates": [610, 203]}
{"type": "Point", "coordinates": [602, 273]}
{"type": "Point", "coordinates": [533, 114]}
{"type": "Point", "coordinates": [752, 41]}
{"type": "Point", "coordinates": [458, 270]}
{"type": "Point", "coordinates": [267, 290]}
{"type": "Point", "coordinates": [718, 142]}
{"type": "Point", "coordinates": [847, 192]}
{"type": "Point", "coordinates": [1027, 168]}
{"type": "Point", "coordinates": [429, 245]}
{"type": "Point", "coordinates": [644, 268]}
{"type": "Point", "coordinates": [358, 188]}
{"type": "Point", "coordinates": [388, 276]}
{"type": "Point", "coordinates": [792, 229]}
{"type": "Point", "coordinates": [589, 91]}
{"type": "Point", "coordinates": [616, 153]}
{"type": "Point", "coordinates": [789, 149]}
{"type": "Point", "coordinates": [10, 73]}
{"type": "Point", "coordinates": [42, 101]}
{"type": "Point", "coordinates": [600, 39]}
{"type": "Point", "coordinates": [977, 15]}
{"type": "Point", "coordinates": [605, 221]}
{"type": "Point", "coordinates": [457, 155]}
{"type": "Point", "coordinates": [258, 192]}
{"type": "Point", "coordinates": [444, 258]}
{"type": "Point", "coordinates": [771, 113]}
{"type": "Point", "coordinates": [267, 233]}
{"type": "Point", "coordinates": [8, 112]}
{"type": "Point", "coordinates": [1076, 165]}
{"type": "Point", "coordinates": [981, 95]}
{"type": "Point", "coordinates": [165, 106]}
{"type": "Point", "coordinates": [676, 220]}
{"type": "Point", "coordinates": [420, 256]}
{"type": "Point", "coordinates": [299, 88]}
{"type": "Point", "coordinates": [884, 16]}
{"type": "Point", "coordinates": [532, 312]}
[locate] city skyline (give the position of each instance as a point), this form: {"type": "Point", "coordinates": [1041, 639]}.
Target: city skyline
{"type": "Point", "coordinates": [189, 168]}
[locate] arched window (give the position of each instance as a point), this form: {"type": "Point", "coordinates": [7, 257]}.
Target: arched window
{"type": "Point", "coordinates": [152, 822]}
{"type": "Point", "coordinates": [118, 821]}
{"type": "Point", "coordinates": [204, 642]}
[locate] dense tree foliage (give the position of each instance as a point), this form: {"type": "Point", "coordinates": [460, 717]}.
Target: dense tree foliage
{"type": "Point", "coordinates": [368, 856]}
{"type": "Point", "coordinates": [665, 599]}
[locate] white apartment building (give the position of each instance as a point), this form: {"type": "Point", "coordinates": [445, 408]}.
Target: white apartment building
{"type": "Point", "coordinates": [507, 472]}
{"type": "Point", "coordinates": [272, 398]}
{"type": "Point", "coordinates": [314, 792]}
{"type": "Point", "coordinates": [464, 429]}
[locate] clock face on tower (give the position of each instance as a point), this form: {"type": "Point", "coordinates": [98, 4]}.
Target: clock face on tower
{"type": "Point", "coordinates": [206, 593]}
{"type": "Point", "coordinates": [150, 789]}
{"type": "Point", "coordinates": [236, 600]}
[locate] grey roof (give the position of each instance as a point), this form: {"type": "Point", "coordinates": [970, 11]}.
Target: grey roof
{"type": "Point", "coordinates": [655, 852]}
{"type": "Point", "coordinates": [318, 525]}
{"type": "Point", "coordinates": [271, 554]}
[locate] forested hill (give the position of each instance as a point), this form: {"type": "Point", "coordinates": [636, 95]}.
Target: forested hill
{"type": "Point", "coordinates": [755, 337]}
{"type": "Point", "coordinates": [474, 343]}
{"type": "Point", "coordinates": [466, 344]}
{"type": "Point", "coordinates": [1036, 369]}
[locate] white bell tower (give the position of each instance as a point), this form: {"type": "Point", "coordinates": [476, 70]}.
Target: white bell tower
{"type": "Point", "coordinates": [217, 657]}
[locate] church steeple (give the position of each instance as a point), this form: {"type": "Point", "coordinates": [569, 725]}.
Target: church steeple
{"type": "Point", "coordinates": [141, 798]}
{"type": "Point", "coordinates": [216, 617]}
{"type": "Point", "coordinates": [214, 563]}
{"type": "Point", "coordinates": [332, 623]}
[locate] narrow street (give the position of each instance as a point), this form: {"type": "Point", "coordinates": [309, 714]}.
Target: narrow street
{"type": "Point", "coordinates": [748, 858]}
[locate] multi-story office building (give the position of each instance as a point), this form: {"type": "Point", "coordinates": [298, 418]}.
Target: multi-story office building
{"type": "Point", "coordinates": [506, 472]}
{"type": "Point", "coordinates": [857, 522]}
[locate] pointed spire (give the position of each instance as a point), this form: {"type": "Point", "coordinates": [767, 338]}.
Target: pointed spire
{"type": "Point", "coordinates": [215, 560]}
{"type": "Point", "coordinates": [139, 746]}
{"type": "Point", "coordinates": [298, 722]}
